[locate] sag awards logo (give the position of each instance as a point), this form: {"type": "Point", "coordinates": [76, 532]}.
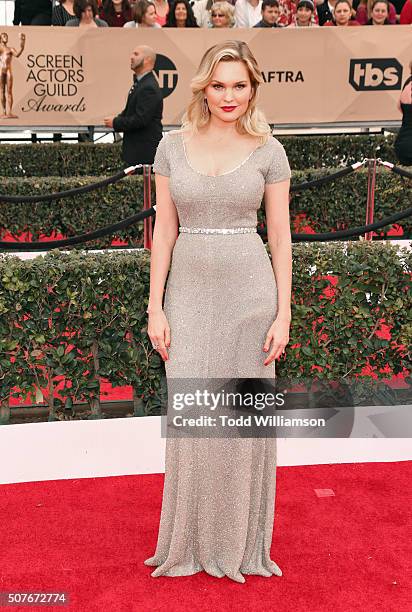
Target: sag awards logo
{"type": "Point", "coordinates": [55, 76]}
{"type": "Point", "coordinates": [7, 54]}
{"type": "Point", "coordinates": [375, 74]}
{"type": "Point", "coordinates": [166, 74]}
{"type": "Point", "coordinates": [54, 80]}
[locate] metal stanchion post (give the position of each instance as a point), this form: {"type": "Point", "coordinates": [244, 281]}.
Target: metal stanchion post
{"type": "Point", "coordinates": [370, 203]}
{"type": "Point", "coordinates": [147, 203]}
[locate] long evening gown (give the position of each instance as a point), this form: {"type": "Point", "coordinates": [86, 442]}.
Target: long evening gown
{"type": "Point", "coordinates": [220, 301]}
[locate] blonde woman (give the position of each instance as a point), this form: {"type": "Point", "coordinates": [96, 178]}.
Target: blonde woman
{"type": "Point", "coordinates": [222, 15]}
{"type": "Point", "coordinates": [226, 314]}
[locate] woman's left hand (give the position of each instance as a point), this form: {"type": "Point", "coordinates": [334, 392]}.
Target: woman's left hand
{"type": "Point", "coordinates": [278, 335]}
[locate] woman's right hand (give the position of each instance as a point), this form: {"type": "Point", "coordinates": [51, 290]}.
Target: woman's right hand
{"type": "Point", "coordinates": [159, 333]}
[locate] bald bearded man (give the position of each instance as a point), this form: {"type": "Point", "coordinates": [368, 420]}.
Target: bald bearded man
{"type": "Point", "coordinates": [141, 120]}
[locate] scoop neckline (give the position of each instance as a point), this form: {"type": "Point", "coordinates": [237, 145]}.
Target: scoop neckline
{"type": "Point", "coordinates": [224, 173]}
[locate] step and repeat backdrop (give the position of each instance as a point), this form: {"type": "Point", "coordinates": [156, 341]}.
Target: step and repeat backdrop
{"type": "Point", "coordinates": [68, 76]}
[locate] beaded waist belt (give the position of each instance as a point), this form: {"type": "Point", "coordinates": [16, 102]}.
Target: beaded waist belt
{"type": "Point", "coordinates": [208, 230]}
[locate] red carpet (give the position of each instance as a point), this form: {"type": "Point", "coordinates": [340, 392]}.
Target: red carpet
{"type": "Point", "coordinates": [89, 537]}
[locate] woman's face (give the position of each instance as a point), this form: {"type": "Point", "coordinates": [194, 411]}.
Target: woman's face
{"type": "Point", "coordinates": [230, 89]}
{"type": "Point", "coordinates": [342, 14]}
{"type": "Point", "coordinates": [117, 3]}
{"type": "Point", "coordinates": [379, 13]}
{"type": "Point", "coordinates": [219, 19]}
{"type": "Point", "coordinates": [180, 12]}
{"type": "Point", "coordinates": [150, 16]}
{"type": "Point", "coordinates": [87, 14]}
{"type": "Point", "coordinates": [303, 15]}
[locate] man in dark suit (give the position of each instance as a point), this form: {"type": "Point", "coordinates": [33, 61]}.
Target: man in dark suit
{"type": "Point", "coordinates": [141, 120]}
{"type": "Point", "coordinates": [32, 12]}
{"type": "Point", "coordinates": [325, 11]}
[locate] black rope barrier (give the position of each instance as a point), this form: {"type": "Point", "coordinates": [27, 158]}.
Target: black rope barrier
{"type": "Point", "coordinates": [54, 244]}
{"type": "Point", "coordinates": [110, 229]}
{"type": "Point", "coordinates": [138, 169]}
{"type": "Point", "coordinates": [71, 192]}
{"type": "Point", "coordinates": [326, 179]}
{"type": "Point", "coordinates": [402, 172]}
{"type": "Point", "coordinates": [296, 237]}
{"type": "Point", "coordinates": [396, 169]}
{"type": "Point", "coordinates": [354, 231]}
{"type": "Point", "coordinates": [21, 199]}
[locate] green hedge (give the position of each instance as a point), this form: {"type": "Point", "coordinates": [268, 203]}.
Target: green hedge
{"type": "Point", "coordinates": [60, 159]}
{"type": "Point", "coordinates": [342, 204]}
{"type": "Point", "coordinates": [76, 215]}
{"type": "Point", "coordinates": [334, 206]}
{"type": "Point", "coordinates": [82, 316]}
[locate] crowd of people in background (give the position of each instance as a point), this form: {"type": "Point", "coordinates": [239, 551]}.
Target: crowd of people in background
{"type": "Point", "coordinates": [212, 13]}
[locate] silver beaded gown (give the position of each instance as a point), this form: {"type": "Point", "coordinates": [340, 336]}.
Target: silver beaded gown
{"type": "Point", "coordinates": [221, 298]}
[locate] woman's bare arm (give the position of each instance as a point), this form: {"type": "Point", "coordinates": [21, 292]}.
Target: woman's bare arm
{"type": "Point", "coordinates": [280, 242]}
{"type": "Point", "coordinates": [164, 238]}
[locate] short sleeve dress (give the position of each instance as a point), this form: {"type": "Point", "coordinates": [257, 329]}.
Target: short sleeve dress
{"type": "Point", "coordinates": [221, 298]}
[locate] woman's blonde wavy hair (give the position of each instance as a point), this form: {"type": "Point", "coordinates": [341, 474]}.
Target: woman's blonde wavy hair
{"type": "Point", "coordinates": [197, 115]}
